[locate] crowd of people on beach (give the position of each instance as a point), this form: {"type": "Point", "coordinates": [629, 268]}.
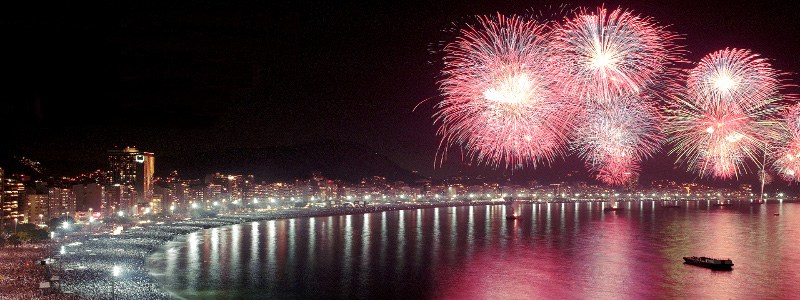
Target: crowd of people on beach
{"type": "Point", "coordinates": [21, 271]}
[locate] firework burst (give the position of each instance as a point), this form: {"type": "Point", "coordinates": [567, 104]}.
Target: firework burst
{"type": "Point", "coordinates": [787, 157]}
{"type": "Point", "coordinates": [787, 163]}
{"type": "Point", "coordinates": [720, 140]}
{"type": "Point", "coordinates": [500, 102]}
{"type": "Point", "coordinates": [732, 77]}
{"type": "Point", "coordinates": [616, 136]}
{"type": "Point", "coordinates": [617, 172]}
{"type": "Point", "coordinates": [793, 119]}
{"type": "Point", "coordinates": [731, 115]}
{"type": "Point", "coordinates": [607, 54]}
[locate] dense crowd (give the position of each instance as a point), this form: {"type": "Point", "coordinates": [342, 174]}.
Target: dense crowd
{"type": "Point", "coordinates": [21, 272]}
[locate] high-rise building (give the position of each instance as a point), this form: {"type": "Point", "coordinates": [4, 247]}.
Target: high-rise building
{"type": "Point", "coordinates": [36, 210]}
{"type": "Point", "coordinates": [61, 202]}
{"type": "Point", "coordinates": [231, 186]}
{"type": "Point", "coordinates": [13, 196]}
{"type": "Point", "coordinates": [119, 198]}
{"type": "Point", "coordinates": [131, 167]}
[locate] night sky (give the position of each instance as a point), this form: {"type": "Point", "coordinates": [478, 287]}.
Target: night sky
{"type": "Point", "coordinates": [178, 77]}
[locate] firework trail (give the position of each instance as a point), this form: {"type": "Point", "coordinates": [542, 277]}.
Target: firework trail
{"type": "Point", "coordinates": [607, 54]}
{"type": "Point", "coordinates": [500, 102]}
{"type": "Point", "coordinates": [614, 137]}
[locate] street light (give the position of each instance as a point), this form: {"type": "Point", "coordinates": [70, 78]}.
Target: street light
{"type": "Point", "coordinates": [115, 272]}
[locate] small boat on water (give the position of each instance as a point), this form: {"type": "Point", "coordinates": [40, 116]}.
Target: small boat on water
{"type": "Point", "coordinates": [513, 210]}
{"type": "Point", "coordinates": [711, 263]}
{"type": "Point", "coordinates": [613, 209]}
{"type": "Point", "coordinates": [777, 214]}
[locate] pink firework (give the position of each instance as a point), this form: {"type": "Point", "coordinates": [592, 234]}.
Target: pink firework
{"type": "Point", "coordinates": [615, 137]}
{"type": "Point", "coordinates": [793, 118]}
{"type": "Point", "coordinates": [787, 154]}
{"type": "Point", "coordinates": [608, 54]}
{"type": "Point", "coordinates": [618, 171]}
{"type": "Point", "coordinates": [787, 162]}
{"type": "Point", "coordinates": [720, 140]}
{"type": "Point", "coordinates": [500, 102]}
{"type": "Point", "coordinates": [732, 77]}
{"type": "Point", "coordinates": [731, 114]}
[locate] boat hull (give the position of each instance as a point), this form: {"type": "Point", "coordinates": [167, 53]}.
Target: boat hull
{"type": "Point", "coordinates": [714, 264]}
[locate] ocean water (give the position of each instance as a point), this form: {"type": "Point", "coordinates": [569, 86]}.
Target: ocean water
{"type": "Point", "coordinates": [554, 251]}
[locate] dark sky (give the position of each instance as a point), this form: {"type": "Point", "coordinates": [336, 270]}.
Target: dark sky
{"type": "Point", "coordinates": [179, 76]}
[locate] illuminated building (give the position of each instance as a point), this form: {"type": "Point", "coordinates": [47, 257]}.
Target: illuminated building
{"type": "Point", "coordinates": [61, 201]}
{"type": "Point", "coordinates": [36, 210]}
{"type": "Point", "coordinates": [156, 205]}
{"type": "Point", "coordinates": [13, 196]}
{"type": "Point", "coordinates": [213, 192]}
{"type": "Point", "coordinates": [225, 187]}
{"type": "Point", "coordinates": [131, 167]}
{"type": "Point", "coordinates": [119, 198]}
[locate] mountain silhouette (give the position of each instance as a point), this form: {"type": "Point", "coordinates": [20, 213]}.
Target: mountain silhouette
{"type": "Point", "coordinates": [334, 159]}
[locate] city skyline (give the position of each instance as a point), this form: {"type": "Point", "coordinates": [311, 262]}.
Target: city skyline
{"type": "Point", "coordinates": [200, 167]}
{"type": "Point", "coordinates": [127, 185]}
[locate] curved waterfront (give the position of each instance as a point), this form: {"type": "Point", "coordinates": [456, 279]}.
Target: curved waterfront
{"type": "Point", "coordinates": [557, 250]}
{"type": "Point", "coordinates": [97, 264]}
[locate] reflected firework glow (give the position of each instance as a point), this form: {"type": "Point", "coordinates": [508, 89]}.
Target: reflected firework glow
{"type": "Point", "coordinates": [554, 251]}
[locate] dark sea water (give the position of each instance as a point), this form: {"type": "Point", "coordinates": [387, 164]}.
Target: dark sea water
{"type": "Point", "coordinates": [555, 251]}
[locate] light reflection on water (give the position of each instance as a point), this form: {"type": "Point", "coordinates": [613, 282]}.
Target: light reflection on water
{"type": "Point", "coordinates": [555, 251]}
